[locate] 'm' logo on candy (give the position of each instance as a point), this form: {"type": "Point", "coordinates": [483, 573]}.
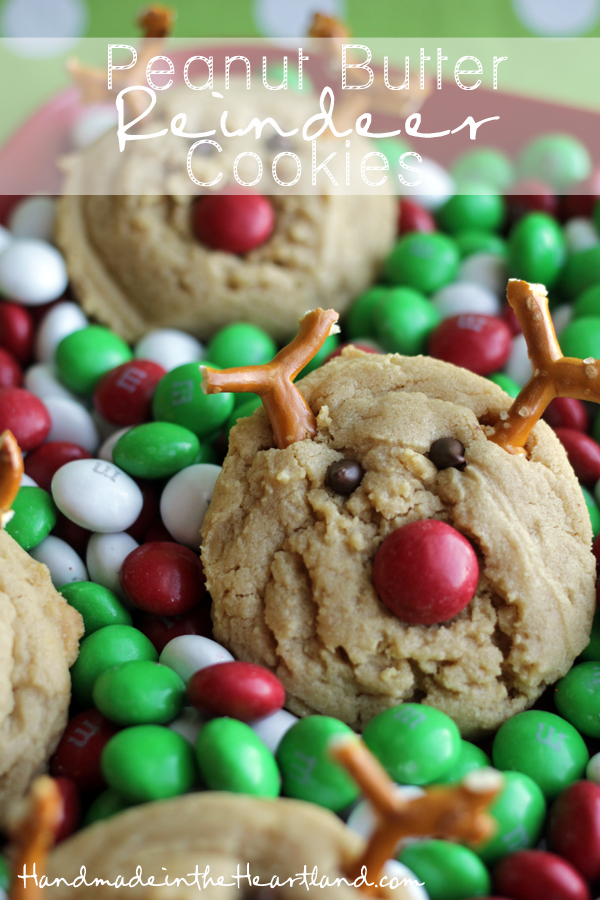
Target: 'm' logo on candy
{"type": "Point", "coordinates": [131, 379]}
{"type": "Point", "coordinates": [83, 733]}
{"type": "Point", "coordinates": [302, 767]}
{"type": "Point", "coordinates": [553, 738]}
{"type": "Point", "coordinates": [410, 717]}
{"type": "Point", "coordinates": [183, 392]}
{"type": "Point", "coordinates": [106, 470]}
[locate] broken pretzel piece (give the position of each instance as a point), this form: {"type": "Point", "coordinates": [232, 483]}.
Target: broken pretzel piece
{"type": "Point", "coordinates": [156, 23]}
{"type": "Point", "coordinates": [554, 375]}
{"type": "Point", "coordinates": [457, 812]}
{"type": "Point", "coordinates": [291, 418]}
{"type": "Point", "coordinates": [33, 836]}
{"type": "Point", "coordinates": [11, 472]}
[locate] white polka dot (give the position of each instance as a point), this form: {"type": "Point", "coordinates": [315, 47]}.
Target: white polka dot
{"type": "Point", "coordinates": [37, 28]}
{"type": "Point", "coordinates": [292, 18]}
{"type": "Point", "coordinates": [556, 18]}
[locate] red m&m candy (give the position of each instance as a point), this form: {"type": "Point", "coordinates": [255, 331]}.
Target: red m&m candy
{"type": "Point", "coordinates": [124, 395]}
{"type": "Point", "coordinates": [583, 453]}
{"type": "Point", "coordinates": [240, 690]}
{"type": "Point", "coordinates": [162, 629]}
{"type": "Point", "coordinates": [425, 572]}
{"type": "Point", "coordinates": [163, 578]}
{"type": "Point", "coordinates": [567, 412]}
{"type": "Point", "coordinates": [10, 370]}
{"type": "Point", "coordinates": [43, 463]}
{"type": "Point", "coordinates": [574, 827]}
{"type": "Point", "coordinates": [78, 753]}
{"type": "Point", "coordinates": [71, 808]}
{"type": "Point", "coordinates": [537, 875]}
{"type": "Point", "coordinates": [16, 331]}
{"type": "Point", "coordinates": [25, 415]}
{"type": "Point", "coordinates": [412, 217]}
{"type": "Point", "coordinates": [233, 223]}
{"type": "Point", "coordinates": [478, 343]}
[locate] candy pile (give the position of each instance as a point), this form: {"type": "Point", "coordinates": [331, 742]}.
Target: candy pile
{"type": "Point", "coordinates": [121, 453]}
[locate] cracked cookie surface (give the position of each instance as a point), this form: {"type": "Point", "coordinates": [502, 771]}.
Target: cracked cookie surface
{"type": "Point", "coordinates": [289, 562]}
{"type": "Point", "coordinates": [39, 638]}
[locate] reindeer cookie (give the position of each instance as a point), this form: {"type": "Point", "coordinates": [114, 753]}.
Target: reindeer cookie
{"type": "Point", "coordinates": [289, 557]}
{"type": "Point", "coordinates": [225, 834]}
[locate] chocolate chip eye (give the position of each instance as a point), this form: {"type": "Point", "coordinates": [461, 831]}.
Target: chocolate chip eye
{"type": "Point", "coordinates": [447, 453]}
{"type": "Point", "coordinates": [344, 476]}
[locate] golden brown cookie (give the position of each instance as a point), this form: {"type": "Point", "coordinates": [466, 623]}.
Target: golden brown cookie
{"type": "Point", "coordinates": [135, 263]}
{"type": "Point", "coordinates": [219, 830]}
{"type": "Point", "coordinates": [289, 562]}
{"type": "Point", "coordinates": [39, 635]}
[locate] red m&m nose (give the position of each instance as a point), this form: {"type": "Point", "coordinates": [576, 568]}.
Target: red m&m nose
{"type": "Point", "coordinates": [233, 223]}
{"type": "Point", "coordinates": [425, 572]}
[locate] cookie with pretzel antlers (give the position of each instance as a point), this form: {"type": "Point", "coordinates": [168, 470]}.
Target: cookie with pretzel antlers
{"type": "Point", "coordinates": [233, 834]}
{"type": "Point", "coordinates": [289, 550]}
{"type": "Point", "coordinates": [39, 639]}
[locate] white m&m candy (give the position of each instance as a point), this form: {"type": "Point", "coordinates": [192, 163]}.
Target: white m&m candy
{"type": "Point", "coordinates": [32, 272]}
{"type": "Point", "coordinates": [97, 495]}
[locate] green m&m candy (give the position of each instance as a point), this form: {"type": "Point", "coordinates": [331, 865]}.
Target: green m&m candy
{"type": "Point", "coordinates": [592, 652]}
{"type": "Point", "coordinates": [425, 262]}
{"type": "Point", "coordinates": [582, 271]}
{"type": "Point", "coordinates": [231, 757]}
{"type": "Point", "coordinates": [449, 871]}
{"type": "Point", "coordinates": [404, 319]}
{"type": "Point", "coordinates": [557, 159]}
{"type": "Point", "coordinates": [106, 804]}
{"type": "Point", "coordinates": [156, 450]}
{"type": "Point", "coordinates": [103, 649]}
{"type": "Point", "coordinates": [581, 338]}
{"type": "Point", "coordinates": [241, 344]}
{"type": "Point", "coordinates": [469, 242]}
{"type": "Point", "coordinates": [4, 873]}
{"type": "Point", "coordinates": [506, 383]}
{"type": "Point", "coordinates": [577, 698]}
{"type": "Point", "coordinates": [588, 303]}
{"type": "Point", "coordinates": [34, 517]}
{"type": "Point", "coordinates": [519, 812]}
{"type": "Point", "coordinates": [84, 356]}
{"type": "Point", "coordinates": [360, 318]}
{"type": "Point", "coordinates": [592, 508]}
{"type": "Point", "coordinates": [97, 605]}
{"type": "Point", "coordinates": [543, 746]}
{"type": "Point", "coordinates": [179, 398]}
{"type": "Point", "coordinates": [536, 249]}
{"type": "Point", "coordinates": [139, 693]}
{"type": "Point", "coordinates": [471, 757]}
{"type": "Point", "coordinates": [475, 208]}
{"type": "Point", "coordinates": [148, 762]}
{"type": "Point", "coordinates": [485, 165]}
{"type": "Point", "coordinates": [416, 744]}
{"type": "Point", "coordinates": [308, 771]}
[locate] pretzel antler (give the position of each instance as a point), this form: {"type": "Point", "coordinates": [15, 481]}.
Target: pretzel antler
{"type": "Point", "coordinates": [156, 23]}
{"type": "Point", "coordinates": [377, 98]}
{"type": "Point", "coordinates": [291, 418]}
{"type": "Point", "coordinates": [453, 812]}
{"type": "Point", "coordinates": [554, 375]}
{"type": "Point", "coordinates": [33, 837]}
{"type": "Point", "coordinates": [11, 472]}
